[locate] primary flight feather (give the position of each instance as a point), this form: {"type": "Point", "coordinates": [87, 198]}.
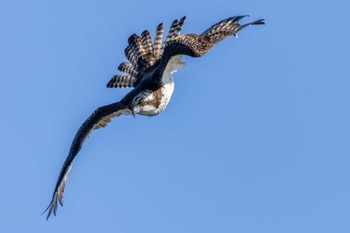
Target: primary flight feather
{"type": "Point", "coordinates": [149, 71]}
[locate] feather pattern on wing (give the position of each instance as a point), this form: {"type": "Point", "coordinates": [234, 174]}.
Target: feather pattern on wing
{"type": "Point", "coordinates": [179, 27]}
{"type": "Point", "coordinates": [135, 47]}
{"type": "Point", "coordinates": [143, 55]}
{"type": "Point", "coordinates": [197, 45]}
{"type": "Point", "coordinates": [157, 44]}
{"type": "Point", "coordinates": [121, 81]}
{"type": "Point", "coordinates": [127, 67]}
{"type": "Point", "coordinates": [201, 44]}
{"type": "Point", "coordinates": [99, 118]}
{"type": "Point", "coordinates": [148, 46]}
{"type": "Point", "coordinates": [131, 55]}
{"type": "Point", "coordinates": [170, 35]}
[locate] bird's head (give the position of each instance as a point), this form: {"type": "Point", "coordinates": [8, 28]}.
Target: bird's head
{"type": "Point", "coordinates": [141, 102]}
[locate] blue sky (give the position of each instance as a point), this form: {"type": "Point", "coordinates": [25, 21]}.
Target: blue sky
{"type": "Point", "coordinates": [255, 138]}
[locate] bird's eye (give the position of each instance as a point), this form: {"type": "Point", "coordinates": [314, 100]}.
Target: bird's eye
{"type": "Point", "coordinates": [142, 103]}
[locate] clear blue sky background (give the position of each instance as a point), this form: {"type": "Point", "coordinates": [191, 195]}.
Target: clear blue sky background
{"type": "Point", "coordinates": [255, 138]}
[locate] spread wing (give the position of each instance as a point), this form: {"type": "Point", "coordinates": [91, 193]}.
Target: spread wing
{"type": "Point", "coordinates": [143, 54]}
{"type": "Point", "coordinates": [99, 118]}
{"type": "Point", "coordinates": [197, 45]}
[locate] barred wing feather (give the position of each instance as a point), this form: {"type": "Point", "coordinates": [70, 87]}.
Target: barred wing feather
{"type": "Point", "coordinates": [198, 45]}
{"type": "Point", "coordinates": [143, 54]}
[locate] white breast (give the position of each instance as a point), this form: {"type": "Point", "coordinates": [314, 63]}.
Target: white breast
{"type": "Point", "coordinates": [173, 65]}
{"type": "Point", "coordinates": [158, 100]}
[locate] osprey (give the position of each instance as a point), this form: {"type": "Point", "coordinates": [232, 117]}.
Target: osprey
{"type": "Point", "coordinates": [149, 71]}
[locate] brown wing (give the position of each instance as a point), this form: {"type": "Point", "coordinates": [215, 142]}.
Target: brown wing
{"type": "Point", "coordinates": [99, 118]}
{"type": "Point", "coordinates": [198, 45]}
{"type": "Point", "coordinates": [144, 55]}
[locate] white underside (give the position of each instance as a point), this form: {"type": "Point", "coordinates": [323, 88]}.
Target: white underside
{"type": "Point", "coordinates": [173, 65]}
{"type": "Point", "coordinates": [167, 88]}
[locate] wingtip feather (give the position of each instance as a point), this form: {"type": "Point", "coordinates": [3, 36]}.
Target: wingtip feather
{"type": "Point", "coordinates": [52, 207]}
{"type": "Point", "coordinates": [260, 21]}
{"type": "Point", "coordinates": [238, 18]}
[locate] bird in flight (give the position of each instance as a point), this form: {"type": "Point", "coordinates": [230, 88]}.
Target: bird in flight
{"type": "Point", "coordinates": [149, 72]}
